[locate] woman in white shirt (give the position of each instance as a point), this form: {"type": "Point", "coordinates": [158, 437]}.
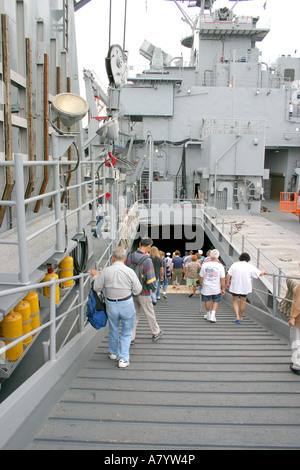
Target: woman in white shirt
{"type": "Point", "coordinates": [239, 283]}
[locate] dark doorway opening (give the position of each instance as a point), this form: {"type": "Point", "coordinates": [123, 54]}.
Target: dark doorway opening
{"type": "Point", "coordinates": [169, 238]}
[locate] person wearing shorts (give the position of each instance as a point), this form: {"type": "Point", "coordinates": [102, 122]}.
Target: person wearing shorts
{"type": "Point", "coordinates": [212, 282]}
{"type": "Point", "coordinates": [177, 267]}
{"type": "Point", "coordinates": [239, 283]}
{"type": "Point", "coordinates": [192, 275]}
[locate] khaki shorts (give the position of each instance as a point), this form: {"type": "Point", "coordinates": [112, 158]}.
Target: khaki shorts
{"type": "Point", "coordinates": [177, 273]}
{"type": "Point", "coordinates": [191, 282]}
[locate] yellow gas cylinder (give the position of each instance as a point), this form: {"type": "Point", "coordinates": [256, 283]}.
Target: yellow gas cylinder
{"type": "Point", "coordinates": [10, 330]}
{"type": "Point", "coordinates": [33, 298]}
{"type": "Point", "coordinates": [46, 291]}
{"type": "Point", "coordinates": [24, 309]}
{"type": "Point", "coordinates": [66, 270]}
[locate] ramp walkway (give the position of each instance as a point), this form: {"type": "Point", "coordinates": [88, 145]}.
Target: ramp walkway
{"type": "Point", "coordinates": [201, 386]}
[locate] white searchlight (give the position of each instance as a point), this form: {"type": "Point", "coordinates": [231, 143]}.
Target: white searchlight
{"type": "Point", "coordinates": [109, 130]}
{"type": "Point", "coordinates": [69, 108]}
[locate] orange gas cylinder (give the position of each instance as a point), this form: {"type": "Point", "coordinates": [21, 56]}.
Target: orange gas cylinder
{"type": "Point", "coordinates": [46, 291]}
{"type": "Point", "coordinates": [66, 270]}
{"type": "Point", "coordinates": [10, 330]}
{"type": "Point", "coordinates": [33, 298]}
{"type": "Point", "coordinates": [24, 309]}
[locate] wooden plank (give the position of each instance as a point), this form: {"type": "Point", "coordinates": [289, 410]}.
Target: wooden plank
{"type": "Point", "coordinates": [7, 114]}
{"type": "Point", "coordinates": [46, 131]}
{"type": "Point", "coordinates": [29, 101]}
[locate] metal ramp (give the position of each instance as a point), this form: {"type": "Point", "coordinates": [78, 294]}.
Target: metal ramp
{"type": "Point", "coordinates": [201, 386]}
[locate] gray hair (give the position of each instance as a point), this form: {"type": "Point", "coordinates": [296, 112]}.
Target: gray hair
{"type": "Point", "coordinates": [214, 254]}
{"type": "Point", "coordinates": [119, 252]}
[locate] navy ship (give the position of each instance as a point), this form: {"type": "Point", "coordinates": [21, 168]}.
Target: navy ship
{"type": "Point", "coordinates": [197, 155]}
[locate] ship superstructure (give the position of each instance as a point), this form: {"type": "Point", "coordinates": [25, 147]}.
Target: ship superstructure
{"type": "Point", "coordinates": [225, 127]}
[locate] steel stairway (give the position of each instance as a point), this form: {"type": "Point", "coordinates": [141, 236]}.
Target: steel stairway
{"type": "Point", "coordinates": [201, 386]}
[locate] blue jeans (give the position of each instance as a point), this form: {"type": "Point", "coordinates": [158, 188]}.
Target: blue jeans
{"type": "Point", "coordinates": [153, 295]}
{"type": "Point", "coordinates": [165, 283]}
{"type": "Point", "coordinates": [215, 298]}
{"type": "Point", "coordinates": [117, 312]}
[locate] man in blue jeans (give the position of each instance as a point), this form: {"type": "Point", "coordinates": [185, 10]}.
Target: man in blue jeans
{"type": "Point", "coordinates": [119, 284]}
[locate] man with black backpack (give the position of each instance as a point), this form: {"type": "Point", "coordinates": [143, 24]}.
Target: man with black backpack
{"type": "Point", "coordinates": [141, 263]}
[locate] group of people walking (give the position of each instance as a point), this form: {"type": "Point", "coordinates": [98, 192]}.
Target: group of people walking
{"type": "Point", "coordinates": [129, 290]}
{"type": "Point", "coordinates": [210, 277]}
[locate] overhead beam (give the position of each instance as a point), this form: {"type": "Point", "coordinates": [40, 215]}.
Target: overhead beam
{"type": "Point", "coordinates": [80, 3]}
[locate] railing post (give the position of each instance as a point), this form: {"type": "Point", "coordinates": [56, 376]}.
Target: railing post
{"type": "Point", "coordinates": [94, 203]}
{"type": "Point", "coordinates": [53, 322]}
{"type": "Point", "coordinates": [258, 257]}
{"type": "Point", "coordinates": [81, 302]}
{"type": "Point", "coordinates": [57, 206]}
{"type": "Point", "coordinates": [274, 295]}
{"type": "Point", "coordinates": [279, 281]}
{"type": "Point", "coordinates": [21, 220]}
{"type": "Point", "coordinates": [79, 199]}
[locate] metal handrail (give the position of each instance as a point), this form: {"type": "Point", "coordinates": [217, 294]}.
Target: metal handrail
{"type": "Point", "coordinates": [276, 296]}
{"type": "Point", "coordinates": [59, 217]}
{"type": "Point", "coordinates": [78, 303]}
{"type": "Point", "coordinates": [218, 219]}
{"type": "Point", "coordinates": [53, 319]}
{"type": "Point", "coordinates": [238, 240]}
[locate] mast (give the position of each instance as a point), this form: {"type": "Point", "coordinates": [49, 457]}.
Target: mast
{"type": "Point", "coordinates": [194, 41]}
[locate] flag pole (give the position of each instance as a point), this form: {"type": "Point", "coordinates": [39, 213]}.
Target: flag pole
{"type": "Point", "coordinates": [237, 1]}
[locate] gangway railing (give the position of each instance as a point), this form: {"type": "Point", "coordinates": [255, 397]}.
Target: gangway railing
{"type": "Point", "coordinates": [233, 126]}
{"type": "Point", "coordinates": [276, 297]}
{"type": "Point", "coordinates": [80, 299]}
{"type": "Point", "coordinates": [229, 237]}
{"type": "Point", "coordinates": [241, 243]}
{"type": "Point", "coordinates": [63, 348]}
{"type": "Point", "coordinates": [20, 203]}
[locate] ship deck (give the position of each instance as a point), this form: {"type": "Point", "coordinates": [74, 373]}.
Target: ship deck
{"type": "Point", "coordinates": [275, 233]}
{"type": "Point", "coordinates": [201, 386]}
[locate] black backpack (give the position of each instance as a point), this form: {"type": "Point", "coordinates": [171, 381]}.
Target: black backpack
{"type": "Point", "coordinates": [137, 268]}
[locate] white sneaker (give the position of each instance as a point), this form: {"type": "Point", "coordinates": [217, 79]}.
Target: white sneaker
{"type": "Point", "coordinates": [112, 356]}
{"type": "Point", "coordinates": [207, 316]}
{"type": "Point", "coordinates": [123, 364]}
{"type": "Point", "coordinates": [213, 317]}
